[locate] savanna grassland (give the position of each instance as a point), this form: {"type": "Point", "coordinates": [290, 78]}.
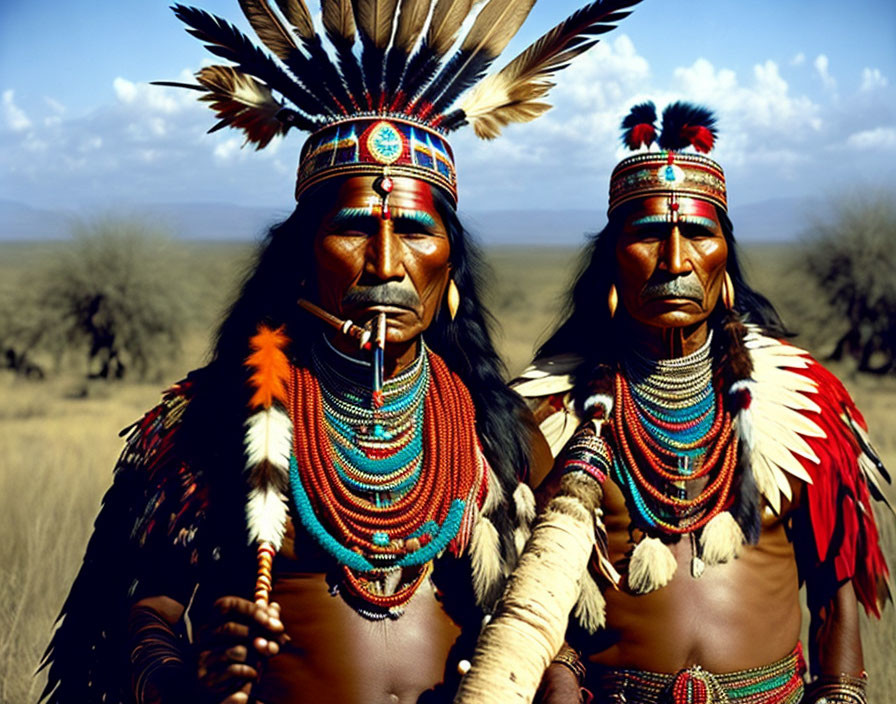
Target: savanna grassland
{"type": "Point", "coordinates": [59, 436]}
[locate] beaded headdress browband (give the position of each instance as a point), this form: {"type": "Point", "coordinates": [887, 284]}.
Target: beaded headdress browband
{"type": "Point", "coordinates": [387, 110]}
{"type": "Point", "coordinates": [670, 171]}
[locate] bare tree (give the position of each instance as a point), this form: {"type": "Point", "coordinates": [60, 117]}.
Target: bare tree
{"type": "Point", "coordinates": [852, 256]}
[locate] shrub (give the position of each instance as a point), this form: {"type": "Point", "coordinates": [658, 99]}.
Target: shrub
{"type": "Point", "coordinates": [115, 295]}
{"type": "Point", "coordinates": [852, 257]}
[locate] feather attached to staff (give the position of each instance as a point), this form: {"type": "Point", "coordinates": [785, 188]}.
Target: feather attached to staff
{"type": "Point", "coordinates": [268, 445]}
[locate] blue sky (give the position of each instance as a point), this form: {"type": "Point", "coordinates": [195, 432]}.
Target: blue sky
{"type": "Point", "coordinates": [805, 94]}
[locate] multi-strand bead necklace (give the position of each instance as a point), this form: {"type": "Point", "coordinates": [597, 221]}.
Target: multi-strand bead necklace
{"type": "Point", "coordinates": [384, 489]}
{"type": "Point", "coordinates": [672, 431]}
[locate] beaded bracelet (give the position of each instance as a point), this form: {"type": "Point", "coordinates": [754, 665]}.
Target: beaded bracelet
{"type": "Point", "coordinates": [569, 658]}
{"type": "Point", "coordinates": [838, 689]}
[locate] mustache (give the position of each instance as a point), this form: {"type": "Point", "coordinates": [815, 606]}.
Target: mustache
{"type": "Point", "coordinates": [388, 294]}
{"type": "Point", "coordinates": [687, 286]}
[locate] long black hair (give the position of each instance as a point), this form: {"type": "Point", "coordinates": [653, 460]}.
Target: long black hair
{"type": "Point", "coordinates": [285, 271]}
{"type": "Point", "coordinates": [587, 329]}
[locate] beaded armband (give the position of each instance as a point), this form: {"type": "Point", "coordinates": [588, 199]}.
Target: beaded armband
{"type": "Point", "coordinates": [589, 453]}
{"type": "Point", "coordinates": [570, 659]}
{"type": "Point", "coordinates": [838, 689]}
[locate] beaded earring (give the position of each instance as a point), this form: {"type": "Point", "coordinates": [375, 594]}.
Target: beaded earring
{"type": "Point", "coordinates": [613, 300]}
{"type": "Point", "coordinates": [453, 298]}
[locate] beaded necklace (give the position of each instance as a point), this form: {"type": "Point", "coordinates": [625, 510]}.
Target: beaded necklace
{"type": "Point", "coordinates": [386, 489]}
{"type": "Point", "coordinates": [673, 431]}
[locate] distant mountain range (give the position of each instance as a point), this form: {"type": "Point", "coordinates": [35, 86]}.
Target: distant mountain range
{"type": "Point", "coordinates": [776, 220]}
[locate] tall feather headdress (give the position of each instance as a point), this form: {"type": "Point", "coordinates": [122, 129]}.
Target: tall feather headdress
{"type": "Point", "coordinates": [419, 75]}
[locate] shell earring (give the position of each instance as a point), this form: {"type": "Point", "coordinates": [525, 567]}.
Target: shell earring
{"type": "Point", "coordinates": [453, 298]}
{"type": "Point", "coordinates": [728, 292]}
{"type": "Point", "coordinates": [612, 300]}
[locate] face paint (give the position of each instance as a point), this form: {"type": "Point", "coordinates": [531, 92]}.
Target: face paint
{"type": "Point", "coordinates": [671, 257]}
{"type": "Point", "coordinates": [367, 263]}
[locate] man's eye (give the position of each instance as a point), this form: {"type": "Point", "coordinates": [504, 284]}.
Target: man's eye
{"type": "Point", "coordinates": [651, 233]}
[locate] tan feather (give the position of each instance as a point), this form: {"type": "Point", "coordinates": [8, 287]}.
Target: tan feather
{"type": "Point", "coordinates": [339, 19]}
{"type": "Point", "coordinates": [447, 18]}
{"type": "Point", "coordinates": [297, 14]}
{"type": "Point", "coordinates": [242, 102]}
{"type": "Point", "coordinates": [495, 26]}
{"type": "Point", "coordinates": [411, 21]}
{"type": "Point", "coordinates": [591, 608]}
{"type": "Point", "coordinates": [375, 19]}
{"type": "Point", "coordinates": [269, 28]}
{"type": "Point", "coordinates": [510, 95]}
{"type": "Point", "coordinates": [485, 558]}
{"type": "Point", "coordinates": [558, 428]}
{"type": "Point", "coordinates": [544, 386]}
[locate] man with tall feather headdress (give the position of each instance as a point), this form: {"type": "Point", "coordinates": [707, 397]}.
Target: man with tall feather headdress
{"type": "Point", "coordinates": [327, 511]}
{"type": "Point", "coordinates": [705, 468]}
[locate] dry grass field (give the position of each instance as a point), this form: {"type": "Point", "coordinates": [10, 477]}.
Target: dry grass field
{"type": "Point", "coordinates": [59, 437]}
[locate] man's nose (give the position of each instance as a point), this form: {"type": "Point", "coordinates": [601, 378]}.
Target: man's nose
{"type": "Point", "coordinates": [673, 255]}
{"type": "Point", "coordinates": [384, 253]}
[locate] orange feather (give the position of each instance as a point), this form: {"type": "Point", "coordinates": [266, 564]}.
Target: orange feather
{"type": "Point", "coordinates": [270, 366]}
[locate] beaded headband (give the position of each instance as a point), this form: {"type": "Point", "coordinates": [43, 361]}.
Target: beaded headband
{"type": "Point", "coordinates": [377, 146]}
{"type": "Point", "coordinates": [386, 109]}
{"type": "Point", "coordinates": [671, 170]}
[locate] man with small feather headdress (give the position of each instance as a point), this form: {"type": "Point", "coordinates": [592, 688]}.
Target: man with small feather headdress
{"type": "Point", "coordinates": [328, 510]}
{"type": "Point", "coordinates": [705, 468]}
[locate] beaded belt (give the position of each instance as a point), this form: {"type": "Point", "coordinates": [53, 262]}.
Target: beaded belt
{"type": "Point", "coordinates": [778, 683]}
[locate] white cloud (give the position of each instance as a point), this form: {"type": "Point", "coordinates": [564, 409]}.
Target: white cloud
{"type": "Point", "coordinates": [151, 98]}
{"type": "Point", "coordinates": [15, 117]}
{"type": "Point", "coordinates": [225, 151]}
{"type": "Point", "coordinates": [765, 105]}
{"type": "Point", "coordinates": [821, 64]}
{"type": "Point", "coordinates": [54, 105]}
{"type": "Point", "coordinates": [878, 138]}
{"type": "Point", "coordinates": [872, 78]}
{"type": "Point", "coordinates": [798, 60]}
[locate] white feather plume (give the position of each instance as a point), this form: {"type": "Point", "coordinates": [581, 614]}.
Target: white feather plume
{"type": "Point", "coordinates": [269, 439]}
{"type": "Point", "coordinates": [268, 443]}
{"type": "Point", "coordinates": [266, 514]}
